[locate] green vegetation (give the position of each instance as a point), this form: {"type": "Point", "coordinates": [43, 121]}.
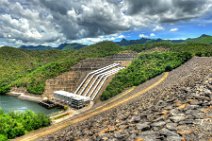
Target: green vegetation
{"type": "Point", "coordinates": [198, 49]}
{"type": "Point", "coordinates": [204, 39]}
{"type": "Point", "coordinates": [201, 46]}
{"type": "Point", "coordinates": [145, 67]}
{"type": "Point", "coordinates": [30, 69]}
{"type": "Point", "coordinates": [17, 124]}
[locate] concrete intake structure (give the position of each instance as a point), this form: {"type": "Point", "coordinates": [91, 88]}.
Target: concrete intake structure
{"type": "Point", "coordinates": [89, 88]}
{"type": "Point", "coordinates": [94, 81]}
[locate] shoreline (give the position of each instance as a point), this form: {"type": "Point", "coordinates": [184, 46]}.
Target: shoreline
{"type": "Point", "coordinates": [23, 96]}
{"type": "Point", "coordinates": [36, 99]}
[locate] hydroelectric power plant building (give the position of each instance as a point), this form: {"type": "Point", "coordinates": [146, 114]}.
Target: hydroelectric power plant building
{"type": "Point", "coordinates": [89, 88]}
{"type": "Point", "coordinates": [74, 100]}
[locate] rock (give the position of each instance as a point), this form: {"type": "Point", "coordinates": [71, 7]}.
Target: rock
{"type": "Point", "coordinates": [123, 116]}
{"type": "Point", "coordinates": [187, 121]}
{"type": "Point", "coordinates": [171, 100]}
{"type": "Point", "coordinates": [104, 138]}
{"type": "Point", "coordinates": [139, 139]}
{"type": "Point", "coordinates": [178, 118]}
{"type": "Point", "coordinates": [197, 114]}
{"type": "Point", "coordinates": [120, 134]}
{"type": "Point", "coordinates": [194, 102]}
{"type": "Point", "coordinates": [160, 104]}
{"type": "Point", "coordinates": [171, 126]}
{"type": "Point", "coordinates": [132, 136]}
{"type": "Point", "coordinates": [124, 126]}
{"type": "Point", "coordinates": [169, 107]}
{"type": "Point", "coordinates": [135, 119]}
{"type": "Point", "coordinates": [206, 92]}
{"type": "Point", "coordinates": [183, 127]}
{"type": "Point", "coordinates": [192, 107]}
{"type": "Point", "coordinates": [143, 127]}
{"type": "Point", "coordinates": [167, 132]}
{"type": "Point", "coordinates": [184, 131]}
{"type": "Point", "coordinates": [182, 107]}
{"type": "Point", "coordinates": [186, 116]}
{"type": "Point", "coordinates": [202, 98]}
{"type": "Point", "coordinates": [156, 124]}
{"type": "Point", "coordinates": [174, 112]}
{"type": "Point", "coordinates": [174, 138]}
{"type": "Point", "coordinates": [158, 119]}
{"type": "Point", "coordinates": [149, 136]}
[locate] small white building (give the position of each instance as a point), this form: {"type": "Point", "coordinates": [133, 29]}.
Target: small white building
{"type": "Point", "coordinates": [74, 100]}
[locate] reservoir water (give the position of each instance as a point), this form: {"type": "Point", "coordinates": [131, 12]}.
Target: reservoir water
{"type": "Point", "coordinates": [11, 103]}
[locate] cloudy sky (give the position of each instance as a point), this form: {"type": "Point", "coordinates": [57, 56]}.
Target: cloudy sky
{"type": "Point", "coordinates": [51, 22]}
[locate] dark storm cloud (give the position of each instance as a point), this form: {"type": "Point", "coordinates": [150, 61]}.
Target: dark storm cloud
{"type": "Point", "coordinates": [169, 10]}
{"type": "Point", "coordinates": [44, 21]}
{"type": "Point", "coordinates": [147, 6]}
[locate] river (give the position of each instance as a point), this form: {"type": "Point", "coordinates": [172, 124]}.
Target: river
{"type": "Point", "coordinates": [11, 103]}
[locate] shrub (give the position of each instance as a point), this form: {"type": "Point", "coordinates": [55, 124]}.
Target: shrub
{"type": "Point", "coordinates": [36, 88]}
{"type": "Point", "coordinates": [146, 66]}
{"type": "Point", "coordinates": [4, 89]}
{"type": "Point", "coordinates": [3, 138]}
{"type": "Point", "coordinates": [16, 124]}
{"type": "Point", "coordinates": [168, 68]}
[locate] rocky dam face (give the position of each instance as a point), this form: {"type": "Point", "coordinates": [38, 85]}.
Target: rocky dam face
{"type": "Point", "coordinates": [178, 109]}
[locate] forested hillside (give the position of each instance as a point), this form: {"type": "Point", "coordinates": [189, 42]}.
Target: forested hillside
{"type": "Point", "coordinates": [198, 49]}
{"type": "Point", "coordinates": [204, 39]}
{"type": "Point", "coordinates": [31, 69]}
{"type": "Point", "coordinates": [145, 67]}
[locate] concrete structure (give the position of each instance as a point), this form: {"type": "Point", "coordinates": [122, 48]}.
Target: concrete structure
{"type": "Point", "coordinates": [74, 100]}
{"type": "Point", "coordinates": [89, 88]}
{"type": "Point", "coordinates": [94, 81]}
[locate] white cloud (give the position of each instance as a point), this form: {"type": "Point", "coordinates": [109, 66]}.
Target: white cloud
{"type": "Point", "coordinates": [121, 36]}
{"type": "Point", "coordinates": [158, 28]}
{"type": "Point", "coordinates": [152, 35]}
{"type": "Point", "coordinates": [89, 41]}
{"type": "Point", "coordinates": [45, 21]}
{"type": "Point", "coordinates": [173, 29]}
{"type": "Point", "coordinates": [143, 36]}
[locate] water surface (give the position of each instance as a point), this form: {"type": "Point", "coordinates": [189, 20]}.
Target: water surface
{"type": "Point", "coordinates": [11, 103]}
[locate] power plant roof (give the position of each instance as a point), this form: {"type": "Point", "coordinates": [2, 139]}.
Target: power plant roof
{"type": "Point", "coordinates": [72, 95]}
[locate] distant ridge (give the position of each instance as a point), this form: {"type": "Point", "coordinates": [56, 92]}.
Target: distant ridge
{"type": "Point", "coordinates": [64, 46]}
{"type": "Point", "coordinates": [125, 42]}
{"type": "Point", "coordinates": [39, 47]}
{"type": "Point", "coordinates": [204, 38]}
{"type": "Point", "coordinates": [67, 46]}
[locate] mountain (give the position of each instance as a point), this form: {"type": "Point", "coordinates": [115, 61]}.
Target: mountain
{"type": "Point", "coordinates": [66, 46]}
{"type": "Point", "coordinates": [204, 39]}
{"type": "Point", "coordinates": [39, 47]}
{"type": "Point", "coordinates": [125, 42]}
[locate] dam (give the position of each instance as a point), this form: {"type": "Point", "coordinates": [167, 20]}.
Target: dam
{"type": "Point", "coordinates": [87, 80]}
{"type": "Point", "coordinates": [89, 87]}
